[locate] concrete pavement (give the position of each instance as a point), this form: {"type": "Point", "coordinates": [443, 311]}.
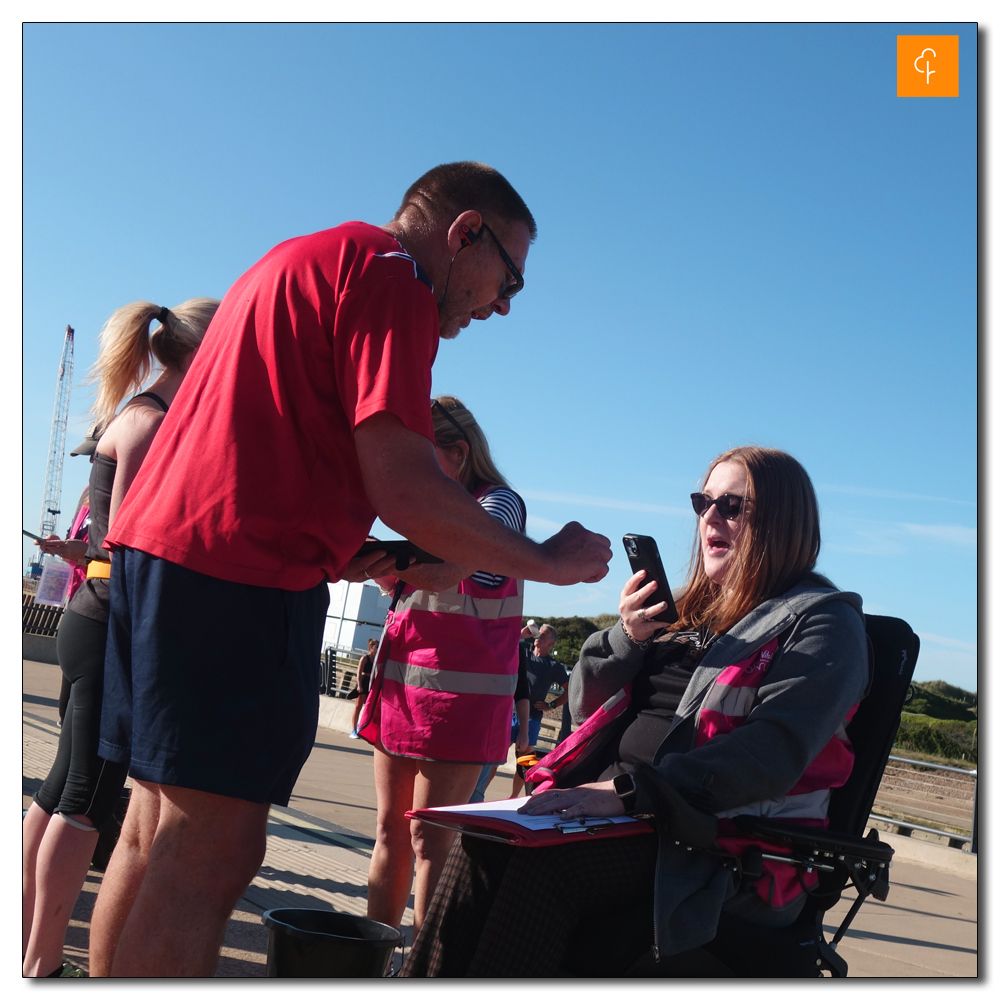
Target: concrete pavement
{"type": "Point", "coordinates": [319, 847]}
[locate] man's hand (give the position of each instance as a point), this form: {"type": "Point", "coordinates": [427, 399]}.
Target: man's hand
{"type": "Point", "coordinates": [521, 743]}
{"type": "Point", "coordinates": [542, 706]}
{"type": "Point", "coordinates": [369, 566]}
{"type": "Point", "coordinates": [577, 555]}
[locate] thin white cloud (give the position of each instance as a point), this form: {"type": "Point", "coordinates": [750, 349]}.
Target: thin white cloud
{"type": "Point", "coordinates": [867, 491]}
{"type": "Point", "coordinates": [945, 643]}
{"type": "Point", "coordinates": [611, 503]}
{"type": "Point", "coordinates": [542, 526]}
{"type": "Point", "coordinates": [886, 538]}
{"type": "Point", "coordinates": [952, 534]}
{"type": "Point", "coordinates": [865, 538]}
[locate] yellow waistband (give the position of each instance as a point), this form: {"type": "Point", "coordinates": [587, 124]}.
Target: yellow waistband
{"type": "Point", "coordinates": [98, 569]}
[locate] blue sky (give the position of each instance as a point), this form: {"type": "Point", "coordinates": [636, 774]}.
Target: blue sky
{"type": "Point", "coordinates": [744, 236]}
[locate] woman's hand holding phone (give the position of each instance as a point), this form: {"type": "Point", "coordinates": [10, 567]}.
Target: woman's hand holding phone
{"type": "Point", "coordinates": [633, 594]}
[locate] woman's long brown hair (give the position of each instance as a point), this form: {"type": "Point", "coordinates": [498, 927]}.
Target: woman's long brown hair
{"type": "Point", "coordinates": [777, 548]}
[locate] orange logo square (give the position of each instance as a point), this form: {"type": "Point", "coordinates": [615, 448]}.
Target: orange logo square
{"type": "Point", "coordinates": [927, 65]}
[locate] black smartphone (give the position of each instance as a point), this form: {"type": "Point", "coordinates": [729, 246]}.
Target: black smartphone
{"type": "Point", "coordinates": [401, 549]}
{"type": "Point", "coordinates": [643, 554]}
{"type": "Point", "coordinates": [31, 534]}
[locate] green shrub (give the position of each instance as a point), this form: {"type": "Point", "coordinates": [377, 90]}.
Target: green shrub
{"type": "Point", "coordinates": [929, 698]}
{"type": "Point", "coordinates": [938, 737]}
{"type": "Point", "coordinates": [572, 633]}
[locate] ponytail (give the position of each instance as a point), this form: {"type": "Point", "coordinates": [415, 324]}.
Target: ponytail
{"type": "Point", "coordinates": [127, 348]}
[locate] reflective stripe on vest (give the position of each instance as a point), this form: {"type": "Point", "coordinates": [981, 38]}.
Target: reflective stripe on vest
{"type": "Point", "coordinates": [450, 602]}
{"type": "Point", "coordinates": [452, 681]}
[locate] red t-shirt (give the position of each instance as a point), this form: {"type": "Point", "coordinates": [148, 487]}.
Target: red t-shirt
{"type": "Point", "coordinates": [253, 476]}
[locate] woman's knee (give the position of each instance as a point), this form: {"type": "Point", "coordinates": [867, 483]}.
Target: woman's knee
{"type": "Point", "coordinates": [430, 842]}
{"type": "Point", "coordinates": [392, 830]}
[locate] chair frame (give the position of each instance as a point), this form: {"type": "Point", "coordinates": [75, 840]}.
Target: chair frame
{"type": "Point", "coordinates": [841, 855]}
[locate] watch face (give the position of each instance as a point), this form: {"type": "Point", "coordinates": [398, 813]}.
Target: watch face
{"type": "Point", "coordinates": [624, 784]}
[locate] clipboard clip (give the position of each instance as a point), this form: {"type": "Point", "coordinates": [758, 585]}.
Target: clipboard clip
{"type": "Point", "coordinates": [583, 825]}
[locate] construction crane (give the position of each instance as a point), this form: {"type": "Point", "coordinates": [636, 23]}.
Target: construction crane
{"type": "Point", "coordinates": [57, 448]}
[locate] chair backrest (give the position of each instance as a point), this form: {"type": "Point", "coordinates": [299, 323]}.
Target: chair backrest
{"type": "Point", "coordinates": [893, 647]}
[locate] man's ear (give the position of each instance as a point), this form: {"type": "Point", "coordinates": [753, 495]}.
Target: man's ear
{"type": "Point", "coordinates": [464, 231]}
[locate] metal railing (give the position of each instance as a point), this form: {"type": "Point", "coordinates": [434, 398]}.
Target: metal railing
{"type": "Point", "coordinates": [906, 827]}
{"type": "Point", "coordinates": [339, 670]}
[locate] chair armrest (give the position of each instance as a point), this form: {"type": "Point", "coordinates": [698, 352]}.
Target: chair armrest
{"type": "Point", "coordinates": [674, 814]}
{"type": "Point", "coordinates": [838, 845]}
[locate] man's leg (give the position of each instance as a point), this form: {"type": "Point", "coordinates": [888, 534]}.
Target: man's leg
{"type": "Point", "coordinates": [205, 852]}
{"type": "Point", "coordinates": [390, 874]}
{"type": "Point", "coordinates": [123, 876]}
{"type": "Point", "coordinates": [437, 784]}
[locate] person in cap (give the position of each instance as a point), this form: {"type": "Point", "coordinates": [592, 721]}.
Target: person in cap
{"type": "Point", "coordinates": [78, 797]}
{"type": "Point", "coordinates": [303, 418]}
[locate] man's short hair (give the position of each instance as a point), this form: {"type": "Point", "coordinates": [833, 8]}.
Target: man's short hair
{"type": "Point", "coordinates": [445, 192]}
{"type": "Point", "coordinates": [552, 629]}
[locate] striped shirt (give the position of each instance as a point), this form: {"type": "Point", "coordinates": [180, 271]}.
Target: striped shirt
{"type": "Point", "coordinates": [508, 508]}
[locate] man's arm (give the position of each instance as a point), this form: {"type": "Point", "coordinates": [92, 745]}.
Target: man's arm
{"type": "Point", "coordinates": [561, 700]}
{"type": "Point", "coordinates": [413, 496]}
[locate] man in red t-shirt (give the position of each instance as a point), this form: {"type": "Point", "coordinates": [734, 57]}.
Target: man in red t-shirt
{"type": "Point", "coordinates": [305, 414]}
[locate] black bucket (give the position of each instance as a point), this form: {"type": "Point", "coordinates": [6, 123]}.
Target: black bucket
{"type": "Point", "coordinates": [314, 944]}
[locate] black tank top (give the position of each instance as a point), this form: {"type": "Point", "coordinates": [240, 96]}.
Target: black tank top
{"type": "Point", "coordinates": [92, 600]}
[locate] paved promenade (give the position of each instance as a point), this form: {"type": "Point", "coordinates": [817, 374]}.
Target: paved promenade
{"type": "Point", "coordinates": [319, 847]}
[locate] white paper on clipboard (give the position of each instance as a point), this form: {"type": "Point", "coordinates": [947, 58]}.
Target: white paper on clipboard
{"type": "Point", "coordinates": [506, 809]}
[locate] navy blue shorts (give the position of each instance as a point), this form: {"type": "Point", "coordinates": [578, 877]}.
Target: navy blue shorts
{"type": "Point", "coordinates": [208, 684]}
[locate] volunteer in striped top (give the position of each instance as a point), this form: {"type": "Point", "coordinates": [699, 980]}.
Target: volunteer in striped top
{"type": "Point", "coordinates": [441, 694]}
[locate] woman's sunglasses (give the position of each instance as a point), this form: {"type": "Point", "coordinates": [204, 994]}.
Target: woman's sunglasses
{"type": "Point", "coordinates": [451, 420]}
{"type": "Point", "coordinates": [729, 505]}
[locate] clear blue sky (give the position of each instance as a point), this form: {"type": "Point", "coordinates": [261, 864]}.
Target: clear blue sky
{"type": "Point", "coordinates": [744, 236]}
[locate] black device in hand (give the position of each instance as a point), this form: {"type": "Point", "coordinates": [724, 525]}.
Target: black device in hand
{"type": "Point", "coordinates": [643, 554]}
{"type": "Point", "coordinates": [31, 534]}
{"type": "Point", "coordinates": [401, 549]}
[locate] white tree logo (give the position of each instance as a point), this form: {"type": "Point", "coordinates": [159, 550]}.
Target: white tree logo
{"type": "Point", "coordinates": [927, 63]}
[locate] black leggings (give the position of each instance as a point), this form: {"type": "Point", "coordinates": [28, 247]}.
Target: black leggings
{"type": "Point", "coordinates": [80, 782]}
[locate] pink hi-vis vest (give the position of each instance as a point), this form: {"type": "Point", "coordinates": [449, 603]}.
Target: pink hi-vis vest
{"type": "Point", "coordinates": [724, 709]}
{"type": "Point", "coordinates": [443, 686]}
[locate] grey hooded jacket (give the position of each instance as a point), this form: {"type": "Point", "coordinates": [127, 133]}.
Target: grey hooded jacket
{"type": "Point", "coordinates": [819, 671]}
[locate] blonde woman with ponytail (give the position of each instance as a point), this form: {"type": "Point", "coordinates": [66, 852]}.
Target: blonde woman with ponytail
{"type": "Point", "coordinates": [82, 790]}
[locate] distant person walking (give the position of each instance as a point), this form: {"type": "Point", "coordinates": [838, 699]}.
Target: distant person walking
{"type": "Point", "coordinates": [440, 703]}
{"type": "Point", "coordinates": [544, 671]}
{"type": "Point", "coordinates": [81, 789]}
{"type": "Point", "coordinates": [364, 676]}
{"type": "Point", "coordinates": [304, 417]}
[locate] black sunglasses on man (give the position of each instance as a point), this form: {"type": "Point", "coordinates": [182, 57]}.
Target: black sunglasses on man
{"type": "Point", "coordinates": [512, 289]}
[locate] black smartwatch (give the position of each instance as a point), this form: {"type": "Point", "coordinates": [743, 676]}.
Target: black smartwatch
{"type": "Point", "coordinates": [625, 789]}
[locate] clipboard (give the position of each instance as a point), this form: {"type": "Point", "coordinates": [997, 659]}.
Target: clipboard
{"type": "Point", "coordinates": [483, 821]}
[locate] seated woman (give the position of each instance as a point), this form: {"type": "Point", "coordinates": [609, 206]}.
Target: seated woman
{"type": "Point", "coordinates": [738, 707]}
